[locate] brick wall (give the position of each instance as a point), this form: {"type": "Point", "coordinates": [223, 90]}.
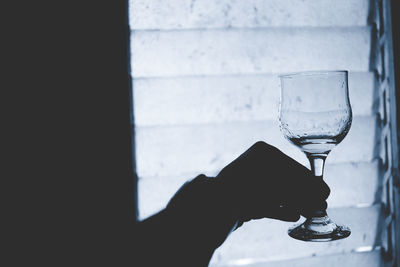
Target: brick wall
{"type": "Point", "coordinates": [206, 88]}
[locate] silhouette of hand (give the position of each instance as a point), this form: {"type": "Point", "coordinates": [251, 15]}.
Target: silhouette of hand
{"type": "Point", "coordinates": [264, 182]}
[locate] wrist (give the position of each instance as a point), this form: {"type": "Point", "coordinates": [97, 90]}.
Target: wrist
{"type": "Point", "coordinates": [204, 210]}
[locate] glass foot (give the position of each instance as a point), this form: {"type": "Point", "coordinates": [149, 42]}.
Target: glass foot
{"type": "Point", "coordinates": [319, 229]}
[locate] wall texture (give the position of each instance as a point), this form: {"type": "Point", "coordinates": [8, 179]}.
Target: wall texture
{"type": "Point", "coordinates": [206, 88]}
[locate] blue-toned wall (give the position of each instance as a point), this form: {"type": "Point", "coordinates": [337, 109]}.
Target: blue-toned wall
{"type": "Point", "coordinates": [205, 88]}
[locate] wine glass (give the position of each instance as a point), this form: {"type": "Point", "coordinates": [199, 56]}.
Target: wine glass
{"type": "Point", "coordinates": [315, 115]}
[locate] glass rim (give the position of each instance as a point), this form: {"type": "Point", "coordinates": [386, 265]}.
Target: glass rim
{"type": "Point", "coordinates": [312, 73]}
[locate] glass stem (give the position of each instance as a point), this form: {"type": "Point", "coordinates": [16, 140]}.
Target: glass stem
{"type": "Point", "coordinates": [317, 163]}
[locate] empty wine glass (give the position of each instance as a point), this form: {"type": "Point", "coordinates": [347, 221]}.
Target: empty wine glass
{"type": "Point", "coordinates": [315, 115]}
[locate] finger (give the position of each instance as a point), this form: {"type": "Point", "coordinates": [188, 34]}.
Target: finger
{"type": "Point", "coordinates": [325, 190]}
{"type": "Point", "coordinates": [318, 187]}
{"type": "Point", "coordinates": [284, 213]}
{"type": "Point", "coordinates": [311, 190]}
{"type": "Point", "coordinates": [289, 169]}
{"type": "Point", "coordinates": [306, 203]}
{"type": "Point", "coordinates": [313, 209]}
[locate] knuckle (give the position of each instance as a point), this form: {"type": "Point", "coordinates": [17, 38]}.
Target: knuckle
{"type": "Point", "coordinates": [262, 146]}
{"type": "Point", "coordinates": [328, 191]}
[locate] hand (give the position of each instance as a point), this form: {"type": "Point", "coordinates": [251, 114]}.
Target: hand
{"type": "Point", "coordinates": [264, 182]}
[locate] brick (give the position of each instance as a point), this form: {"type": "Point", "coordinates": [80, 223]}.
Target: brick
{"type": "Point", "coordinates": [267, 239]}
{"type": "Point", "coordinates": [173, 14]}
{"type": "Point", "coordinates": [353, 184]}
{"type": "Point", "coordinates": [258, 51]}
{"type": "Point", "coordinates": [212, 99]}
{"type": "Point", "coordinates": [365, 259]}
{"type": "Point", "coordinates": [175, 150]}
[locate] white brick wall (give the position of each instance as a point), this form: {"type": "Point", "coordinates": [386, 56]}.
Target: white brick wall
{"type": "Point", "coordinates": [206, 88]}
{"type": "Point", "coordinates": [238, 51]}
{"type": "Point", "coordinates": [175, 150]}
{"type": "Point", "coordinates": [172, 15]}
{"type": "Point", "coordinates": [215, 99]}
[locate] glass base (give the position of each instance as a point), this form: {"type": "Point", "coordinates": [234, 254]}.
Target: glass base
{"type": "Point", "coordinates": [319, 229]}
